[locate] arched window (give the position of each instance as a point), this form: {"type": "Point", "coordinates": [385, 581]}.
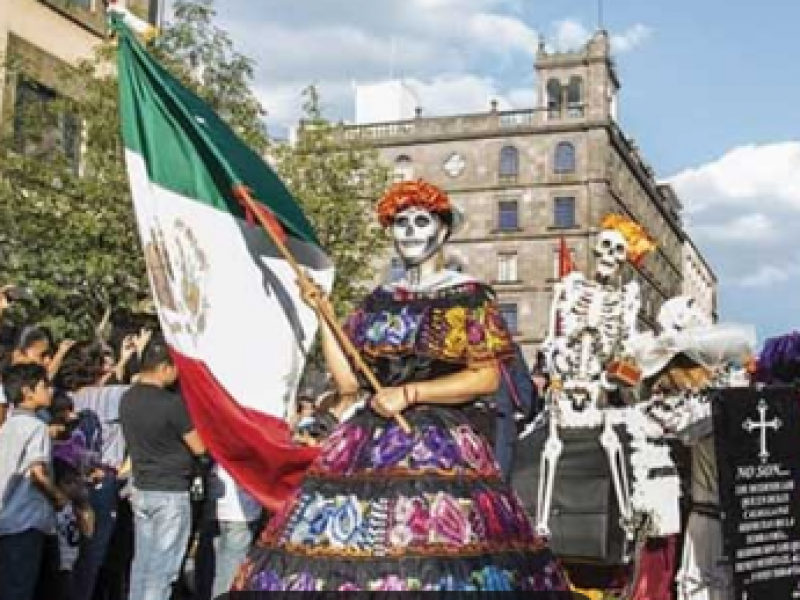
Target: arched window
{"type": "Point", "coordinates": [575, 96]}
{"type": "Point", "coordinates": [509, 163]}
{"type": "Point", "coordinates": [403, 168]}
{"type": "Point", "coordinates": [565, 158]}
{"type": "Point", "coordinates": [554, 98]}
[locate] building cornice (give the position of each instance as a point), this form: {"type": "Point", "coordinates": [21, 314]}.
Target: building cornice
{"type": "Point", "coordinates": [646, 180]}
{"type": "Point", "coordinates": [423, 130]}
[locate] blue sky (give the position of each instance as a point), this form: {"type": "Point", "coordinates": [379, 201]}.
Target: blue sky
{"type": "Point", "coordinates": [710, 92]}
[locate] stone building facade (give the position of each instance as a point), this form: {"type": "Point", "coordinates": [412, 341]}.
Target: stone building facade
{"type": "Point", "coordinates": [525, 179]}
{"type": "Point", "coordinates": [699, 281]}
{"type": "Point", "coordinates": [37, 37]}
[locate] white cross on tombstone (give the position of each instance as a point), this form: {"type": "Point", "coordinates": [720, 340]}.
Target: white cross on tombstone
{"type": "Point", "coordinates": [749, 425]}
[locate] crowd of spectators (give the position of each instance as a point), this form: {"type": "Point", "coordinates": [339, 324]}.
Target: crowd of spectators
{"type": "Point", "coordinates": [106, 489]}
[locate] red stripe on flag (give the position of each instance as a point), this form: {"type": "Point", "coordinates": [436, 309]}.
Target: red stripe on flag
{"type": "Point", "coordinates": [254, 447]}
{"type": "Point", "coordinates": [253, 210]}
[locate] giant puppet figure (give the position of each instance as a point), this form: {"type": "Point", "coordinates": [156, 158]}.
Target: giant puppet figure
{"type": "Point", "coordinates": [681, 366]}
{"type": "Point", "coordinates": [383, 508]}
{"type": "Point", "coordinates": [591, 323]}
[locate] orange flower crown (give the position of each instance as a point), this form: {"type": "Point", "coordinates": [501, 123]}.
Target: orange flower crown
{"type": "Point", "coordinates": [419, 194]}
{"type": "Point", "coordinates": [639, 241]}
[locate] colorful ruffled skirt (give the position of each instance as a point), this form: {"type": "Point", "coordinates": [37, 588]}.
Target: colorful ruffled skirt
{"type": "Point", "coordinates": [384, 510]}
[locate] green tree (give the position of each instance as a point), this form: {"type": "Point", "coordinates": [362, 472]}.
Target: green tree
{"type": "Point", "coordinates": [66, 221]}
{"type": "Point", "coordinates": [203, 57]}
{"type": "Point", "coordinates": [337, 180]}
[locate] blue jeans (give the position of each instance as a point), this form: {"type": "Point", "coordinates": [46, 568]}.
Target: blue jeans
{"type": "Point", "coordinates": [104, 500]}
{"type": "Point", "coordinates": [20, 560]}
{"type": "Point", "coordinates": [222, 547]}
{"type": "Point", "coordinates": [162, 523]}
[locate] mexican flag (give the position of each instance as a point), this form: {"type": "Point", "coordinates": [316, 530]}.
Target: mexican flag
{"type": "Point", "coordinates": [228, 302]}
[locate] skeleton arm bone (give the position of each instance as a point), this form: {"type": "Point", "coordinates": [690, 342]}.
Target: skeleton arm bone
{"type": "Point", "coordinates": [549, 343]}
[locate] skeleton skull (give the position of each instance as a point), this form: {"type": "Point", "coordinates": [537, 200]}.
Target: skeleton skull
{"type": "Point", "coordinates": [418, 234]}
{"type": "Point", "coordinates": [611, 252]}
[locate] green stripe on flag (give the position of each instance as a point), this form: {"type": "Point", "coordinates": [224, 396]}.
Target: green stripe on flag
{"type": "Point", "coordinates": [187, 148]}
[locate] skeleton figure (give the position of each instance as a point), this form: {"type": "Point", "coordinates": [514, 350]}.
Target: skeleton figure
{"type": "Point", "coordinates": [591, 322]}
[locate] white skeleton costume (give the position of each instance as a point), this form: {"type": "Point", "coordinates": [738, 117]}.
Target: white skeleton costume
{"type": "Point", "coordinates": [655, 494]}
{"type": "Point", "coordinates": [703, 575]}
{"type": "Point", "coordinates": [591, 323]}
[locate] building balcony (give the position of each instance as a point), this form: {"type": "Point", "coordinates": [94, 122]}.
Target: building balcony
{"type": "Point", "coordinates": [494, 122]}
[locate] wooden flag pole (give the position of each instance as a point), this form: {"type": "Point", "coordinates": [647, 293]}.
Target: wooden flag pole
{"type": "Point", "coordinates": [322, 306]}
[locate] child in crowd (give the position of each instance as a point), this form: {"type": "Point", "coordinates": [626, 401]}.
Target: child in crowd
{"type": "Point", "coordinates": [74, 520]}
{"type": "Point", "coordinates": [70, 443]}
{"type": "Point", "coordinates": [28, 494]}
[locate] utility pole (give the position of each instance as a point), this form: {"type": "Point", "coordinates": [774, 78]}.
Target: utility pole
{"type": "Point", "coordinates": [600, 15]}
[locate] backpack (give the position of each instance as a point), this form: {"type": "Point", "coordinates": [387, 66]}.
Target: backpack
{"type": "Point", "coordinates": [90, 429]}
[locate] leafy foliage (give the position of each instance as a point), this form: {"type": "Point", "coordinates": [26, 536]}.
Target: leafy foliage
{"type": "Point", "coordinates": [67, 228]}
{"type": "Point", "coordinates": [66, 222]}
{"type": "Point", "coordinates": [337, 180]}
{"type": "Point", "coordinates": [203, 57]}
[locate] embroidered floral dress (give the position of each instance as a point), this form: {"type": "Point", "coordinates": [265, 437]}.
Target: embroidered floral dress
{"type": "Point", "coordinates": [384, 510]}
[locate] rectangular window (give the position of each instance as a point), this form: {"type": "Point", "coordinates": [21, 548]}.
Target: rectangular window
{"type": "Point", "coordinates": [509, 312]}
{"type": "Point", "coordinates": [41, 129]}
{"type": "Point", "coordinates": [564, 212]}
{"type": "Point", "coordinates": [507, 267]}
{"type": "Point", "coordinates": [508, 215]}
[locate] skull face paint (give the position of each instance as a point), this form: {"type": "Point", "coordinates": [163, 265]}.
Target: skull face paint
{"type": "Point", "coordinates": [418, 234]}
{"type": "Point", "coordinates": [611, 252]}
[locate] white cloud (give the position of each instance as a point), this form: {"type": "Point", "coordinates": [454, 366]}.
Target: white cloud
{"type": "Point", "coordinates": [571, 34]}
{"type": "Point", "coordinates": [743, 209]}
{"type": "Point", "coordinates": [631, 38]}
{"type": "Point", "coordinates": [768, 174]}
{"type": "Point", "coordinates": [482, 49]}
{"type": "Point", "coordinates": [524, 97]}
{"type": "Point", "coordinates": [766, 276]}
{"type": "Point", "coordinates": [454, 94]}
{"type": "Point", "coordinates": [751, 228]}
{"type": "Point", "coordinates": [502, 33]}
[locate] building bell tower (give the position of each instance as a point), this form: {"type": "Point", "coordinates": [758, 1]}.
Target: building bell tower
{"type": "Point", "coordinates": [580, 84]}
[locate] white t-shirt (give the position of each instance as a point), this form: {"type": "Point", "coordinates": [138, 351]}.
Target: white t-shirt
{"type": "Point", "coordinates": [233, 503]}
{"type": "Point", "coordinates": [3, 395]}
{"type": "Point", "coordinates": [69, 537]}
